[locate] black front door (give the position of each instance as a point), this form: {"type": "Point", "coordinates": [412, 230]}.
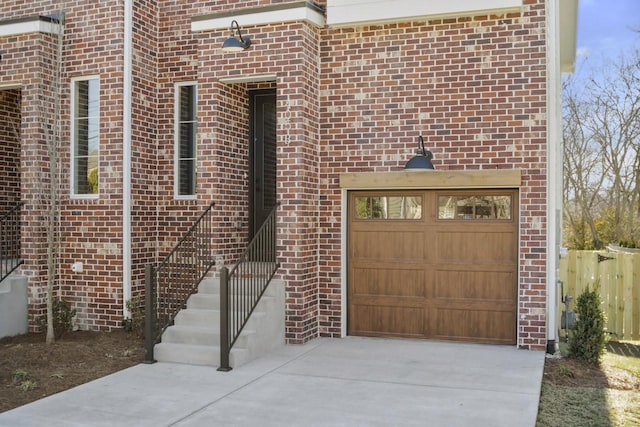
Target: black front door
{"type": "Point", "coordinates": [262, 157]}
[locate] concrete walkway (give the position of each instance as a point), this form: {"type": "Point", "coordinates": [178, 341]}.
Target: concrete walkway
{"type": "Point", "coordinates": [326, 382]}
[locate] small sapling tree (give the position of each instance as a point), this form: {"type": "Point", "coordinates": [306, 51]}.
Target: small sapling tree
{"type": "Point", "coordinates": [588, 338]}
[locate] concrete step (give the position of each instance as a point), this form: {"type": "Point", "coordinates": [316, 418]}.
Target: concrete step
{"type": "Point", "coordinates": [209, 318]}
{"type": "Point", "coordinates": [195, 335]}
{"type": "Point", "coordinates": [209, 286]}
{"type": "Point", "coordinates": [207, 355]}
{"type": "Point", "coordinates": [212, 302]}
{"type": "Point", "coordinates": [14, 298]}
{"type": "Point", "coordinates": [179, 334]}
{"type": "Point", "coordinates": [212, 286]}
{"type": "Point", "coordinates": [203, 301]}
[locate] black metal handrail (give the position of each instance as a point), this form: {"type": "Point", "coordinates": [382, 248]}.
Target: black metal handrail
{"type": "Point", "coordinates": [176, 278]}
{"type": "Point", "coordinates": [243, 286]}
{"type": "Point", "coordinates": [10, 253]}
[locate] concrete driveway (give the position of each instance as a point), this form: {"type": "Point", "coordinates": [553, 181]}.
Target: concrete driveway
{"type": "Point", "coordinates": [326, 382]}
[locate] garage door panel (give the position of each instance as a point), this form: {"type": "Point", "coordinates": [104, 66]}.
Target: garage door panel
{"type": "Point", "coordinates": [478, 284]}
{"type": "Point", "coordinates": [433, 277]}
{"type": "Point", "coordinates": [475, 246]}
{"type": "Point", "coordinates": [388, 246]}
{"type": "Point", "coordinates": [387, 320]}
{"type": "Point", "coordinates": [475, 325]}
{"type": "Point", "coordinates": [388, 282]}
{"type": "Point", "coordinates": [470, 304]}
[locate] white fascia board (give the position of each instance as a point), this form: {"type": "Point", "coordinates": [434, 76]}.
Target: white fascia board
{"type": "Point", "coordinates": [568, 10]}
{"type": "Point", "coordinates": [343, 13]}
{"type": "Point", "coordinates": [8, 86]}
{"type": "Point", "coordinates": [249, 78]}
{"type": "Point", "coordinates": [26, 27]}
{"type": "Point", "coordinates": [554, 164]}
{"type": "Point", "coordinates": [250, 18]}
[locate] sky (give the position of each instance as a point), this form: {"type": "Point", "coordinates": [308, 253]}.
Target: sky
{"type": "Point", "coordinates": [606, 28]}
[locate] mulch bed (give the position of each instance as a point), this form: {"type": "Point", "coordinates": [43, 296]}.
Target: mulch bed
{"type": "Point", "coordinates": [77, 358]}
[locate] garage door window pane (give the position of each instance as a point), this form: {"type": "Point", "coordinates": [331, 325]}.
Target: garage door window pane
{"type": "Point", "coordinates": [389, 207]}
{"type": "Point", "coordinates": [474, 207]}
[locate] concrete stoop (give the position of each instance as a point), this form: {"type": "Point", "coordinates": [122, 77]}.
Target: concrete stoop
{"type": "Point", "coordinates": [14, 306]}
{"type": "Point", "coordinates": [195, 336]}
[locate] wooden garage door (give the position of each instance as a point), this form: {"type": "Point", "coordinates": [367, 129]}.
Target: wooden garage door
{"type": "Point", "coordinates": [433, 264]}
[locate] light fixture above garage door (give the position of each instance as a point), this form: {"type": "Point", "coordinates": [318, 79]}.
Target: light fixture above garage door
{"type": "Point", "coordinates": [422, 160]}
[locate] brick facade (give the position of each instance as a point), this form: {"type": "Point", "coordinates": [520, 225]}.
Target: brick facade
{"type": "Point", "coordinates": [348, 100]}
{"type": "Point", "coordinates": [474, 87]}
{"type": "Point", "coordinates": [10, 111]}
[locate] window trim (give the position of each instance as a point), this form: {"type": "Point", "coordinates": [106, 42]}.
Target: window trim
{"type": "Point", "coordinates": [72, 115]}
{"type": "Point", "coordinates": [176, 141]}
{"type": "Point", "coordinates": [388, 195]}
{"type": "Point", "coordinates": [479, 192]}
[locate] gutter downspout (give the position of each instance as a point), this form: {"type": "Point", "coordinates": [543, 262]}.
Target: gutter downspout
{"type": "Point", "coordinates": [126, 157]}
{"type": "Point", "coordinates": [554, 170]}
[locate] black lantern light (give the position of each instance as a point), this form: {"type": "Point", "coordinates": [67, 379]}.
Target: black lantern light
{"type": "Point", "coordinates": [232, 44]}
{"type": "Point", "coordinates": [422, 160]}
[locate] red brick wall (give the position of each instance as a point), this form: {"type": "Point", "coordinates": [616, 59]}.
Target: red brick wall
{"type": "Point", "coordinates": [90, 230]}
{"type": "Point", "coordinates": [223, 146]}
{"type": "Point", "coordinates": [224, 129]}
{"type": "Point", "coordinates": [474, 88]}
{"type": "Point", "coordinates": [10, 101]}
{"type": "Point", "coordinates": [27, 60]}
{"type": "Point", "coordinates": [177, 61]}
{"type": "Point", "coordinates": [144, 149]}
{"type": "Point", "coordinates": [348, 100]}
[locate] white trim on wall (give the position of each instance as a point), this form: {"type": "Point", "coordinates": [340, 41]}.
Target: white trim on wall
{"type": "Point", "coordinates": [567, 33]}
{"type": "Point", "coordinates": [260, 16]}
{"type": "Point", "coordinates": [176, 140]}
{"type": "Point", "coordinates": [35, 25]}
{"type": "Point", "coordinates": [249, 78]}
{"type": "Point", "coordinates": [10, 86]}
{"type": "Point", "coordinates": [554, 167]}
{"type": "Point", "coordinates": [72, 126]}
{"type": "Point", "coordinates": [344, 259]}
{"type": "Point", "coordinates": [126, 157]}
{"type": "Point", "coordinates": [343, 13]}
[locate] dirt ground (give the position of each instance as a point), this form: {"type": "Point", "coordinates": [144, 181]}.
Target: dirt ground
{"type": "Point", "coordinates": [573, 373]}
{"type": "Point", "coordinates": [30, 369]}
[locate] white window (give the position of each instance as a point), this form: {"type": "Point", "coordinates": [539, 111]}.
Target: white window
{"type": "Point", "coordinates": [85, 136]}
{"type": "Point", "coordinates": [185, 139]}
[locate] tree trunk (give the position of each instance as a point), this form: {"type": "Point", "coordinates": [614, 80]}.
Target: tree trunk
{"type": "Point", "coordinates": [53, 138]}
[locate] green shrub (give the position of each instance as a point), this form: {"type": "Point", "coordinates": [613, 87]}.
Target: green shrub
{"type": "Point", "coordinates": [62, 318]}
{"type": "Point", "coordinates": [588, 335]}
{"type": "Point", "coordinates": [20, 375]}
{"type": "Point", "coordinates": [28, 385]}
{"type": "Point", "coordinates": [23, 381]}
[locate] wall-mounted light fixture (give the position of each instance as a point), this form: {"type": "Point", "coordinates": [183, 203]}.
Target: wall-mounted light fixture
{"type": "Point", "coordinates": [422, 160]}
{"type": "Point", "coordinates": [232, 44]}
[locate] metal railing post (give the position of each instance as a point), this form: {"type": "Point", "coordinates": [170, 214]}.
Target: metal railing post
{"type": "Point", "coordinates": [224, 320]}
{"type": "Point", "coordinates": [149, 313]}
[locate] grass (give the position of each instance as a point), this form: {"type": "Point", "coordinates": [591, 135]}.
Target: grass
{"type": "Point", "coordinates": [629, 364]}
{"type": "Point", "coordinates": [568, 402]}
{"type": "Point", "coordinates": [587, 406]}
{"type": "Point", "coordinates": [572, 406]}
